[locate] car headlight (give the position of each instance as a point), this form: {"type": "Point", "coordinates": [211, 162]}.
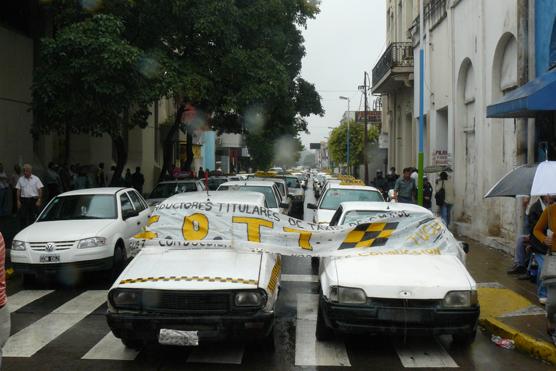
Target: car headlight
{"type": "Point", "coordinates": [18, 245]}
{"type": "Point", "coordinates": [460, 299]}
{"type": "Point", "coordinates": [91, 242]}
{"type": "Point", "coordinates": [347, 295]}
{"type": "Point", "coordinates": [249, 299]}
{"type": "Point", "coordinates": [125, 299]}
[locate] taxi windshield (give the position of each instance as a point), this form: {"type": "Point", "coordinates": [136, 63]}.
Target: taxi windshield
{"type": "Point", "coordinates": [334, 197]}
{"type": "Point", "coordinates": [165, 190]}
{"type": "Point", "coordinates": [80, 207]}
{"type": "Point", "coordinates": [355, 215]}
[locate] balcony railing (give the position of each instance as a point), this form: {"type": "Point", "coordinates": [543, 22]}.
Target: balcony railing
{"type": "Point", "coordinates": [397, 55]}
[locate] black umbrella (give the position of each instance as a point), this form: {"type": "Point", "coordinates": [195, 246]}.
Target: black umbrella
{"type": "Point", "coordinates": [517, 182]}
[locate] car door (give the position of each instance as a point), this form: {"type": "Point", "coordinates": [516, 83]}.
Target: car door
{"type": "Point", "coordinates": [140, 206]}
{"type": "Point", "coordinates": [131, 218]}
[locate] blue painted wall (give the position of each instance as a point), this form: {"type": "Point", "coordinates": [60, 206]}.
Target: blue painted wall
{"type": "Point", "coordinates": [545, 15]}
{"type": "Point", "coordinates": [209, 150]}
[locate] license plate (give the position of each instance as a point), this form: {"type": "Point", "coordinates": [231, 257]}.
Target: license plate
{"type": "Point", "coordinates": [178, 337]}
{"type": "Point", "coordinates": [50, 258]}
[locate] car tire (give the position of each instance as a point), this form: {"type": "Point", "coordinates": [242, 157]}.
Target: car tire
{"type": "Point", "coordinates": [323, 332]}
{"type": "Point", "coordinates": [464, 338]}
{"type": "Point", "coordinates": [119, 260]}
{"type": "Point", "coordinates": [134, 344]}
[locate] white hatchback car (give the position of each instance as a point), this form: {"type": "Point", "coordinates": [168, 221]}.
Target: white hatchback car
{"type": "Point", "coordinates": [270, 190]}
{"type": "Point", "coordinates": [87, 230]}
{"type": "Point", "coordinates": [405, 294]}
{"type": "Point", "coordinates": [181, 296]}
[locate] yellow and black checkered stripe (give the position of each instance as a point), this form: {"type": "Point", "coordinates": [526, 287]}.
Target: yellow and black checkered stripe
{"type": "Point", "coordinates": [189, 279]}
{"type": "Point", "coordinates": [369, 235]}
{"type": "Point", "coordinates": [273, 282]}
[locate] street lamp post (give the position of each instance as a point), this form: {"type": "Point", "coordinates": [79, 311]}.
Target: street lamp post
{"type": "Point", "coordinates": [347, 136]}
{"type": "Point", "coordinates": [365, 88]}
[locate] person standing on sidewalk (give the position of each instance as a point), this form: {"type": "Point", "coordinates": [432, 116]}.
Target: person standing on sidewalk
{"type": "Point", "coordinates": [427, 193]}
{"type": "Point", "coordinates": [138, 180]}
{"type": "Point", "coordinates": [449, 197]}
{"type": "Point", "coordinates": [4, 314]}
{"type": "Point", "coordinates": [544, 232]}
{"type": "Point", "coordinates": [4, 192]}
{"type": "Point", "coordinates": [14, 178]}
{"type": "Point", "coordinates": [29, 196]}
{"type": "Point", "coordinates": [405, 188]}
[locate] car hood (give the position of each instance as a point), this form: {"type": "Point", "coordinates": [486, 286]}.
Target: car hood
{"type": "Point", "coordinates": [324, 215]}
{"type": "Point", "coordinates": [409, 277]}
{"type": "Point", "coordinates": [63, 230]}
{"type": "Point", "coordinates": [200, 269]}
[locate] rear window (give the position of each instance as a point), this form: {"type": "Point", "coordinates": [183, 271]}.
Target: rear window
{"type": "Point", "coordinates": [165, 190]}
{"type": "Point", "coordinates": [334, 197]}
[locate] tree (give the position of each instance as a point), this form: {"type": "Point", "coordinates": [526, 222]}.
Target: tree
{"type": "Point", "coordinates": [337, 144]}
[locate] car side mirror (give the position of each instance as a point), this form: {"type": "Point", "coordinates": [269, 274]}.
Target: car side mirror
{"type": "Point", "coordinates": [284, 205]}
{"type": "Point", "coordinates": [465, 247]}
{"type": "Point", "coordinates": [130, 214]}
{"type": "Point", "coordinates": [311, 206]}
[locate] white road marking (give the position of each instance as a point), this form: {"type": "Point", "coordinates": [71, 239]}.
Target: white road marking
{"type": "Point", "coordinates": [24, 297]}
{"type": "Point", "coordinates": [34, 337]}
{"type": "Point", "coordinates": [423, 353]}
{"type": "Point", "coordinates": [110, 347]}
{"type": "Point", "coordinates": [299, 278]}
{"type": "Point", "coordinates": [309, 351]}
{"type": "Point", "coordinates": [230, 354]}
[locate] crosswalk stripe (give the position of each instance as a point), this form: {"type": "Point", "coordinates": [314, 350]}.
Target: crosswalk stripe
{"type": "Point", "coordinates": [33, 338]}
{"type": "Point", "coordinates": [309, 351]}
{"type": "Point", "coordinates": [111, 348]}
{"type": "Point", "coordinates": [24, 297]}
{"type": "Point", "coordinates": [299, 278]}
{"type": "Point", "coordinates": [228, 354]}
{"type": "Point", "coordinates": [426, 353]}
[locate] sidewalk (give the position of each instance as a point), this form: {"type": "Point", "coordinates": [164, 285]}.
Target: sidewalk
{"type": "Point", "coordinates": [509, 307]}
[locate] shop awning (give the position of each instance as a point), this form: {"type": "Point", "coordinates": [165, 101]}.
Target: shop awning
{"type": "Point", "coordinates": [526, 101]}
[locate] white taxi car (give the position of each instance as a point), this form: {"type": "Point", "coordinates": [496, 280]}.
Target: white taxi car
{"type": "Point", "coordinates": [273, 198]}
{"type": "Point", "coordinates": [178, 296]}
{"type": "Point", "coordinates": [336, 193]}
{"type": "Point", "coordinates": [405, 294]}
{"type": "Point", "coordinates": [87, 230]}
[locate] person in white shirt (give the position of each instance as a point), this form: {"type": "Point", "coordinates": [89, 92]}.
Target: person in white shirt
{"type": "Point", "coordinates": [29, 196]}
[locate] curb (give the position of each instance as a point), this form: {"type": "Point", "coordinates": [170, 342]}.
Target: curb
{"type": "Point", "coordinates": [537, 348]}
{"type": "Point", "coordinates": [9, 272]}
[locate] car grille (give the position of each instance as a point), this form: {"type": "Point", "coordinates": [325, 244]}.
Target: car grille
{"type": "Point", "coordinates": [60, 245]}
{"type": "Point", "coordinates": [186, 302]}
{"type": "Point", "coordinates": [404, 303]}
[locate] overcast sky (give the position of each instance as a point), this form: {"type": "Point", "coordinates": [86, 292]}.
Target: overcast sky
{"type": "Point", "coordinates": [346, 38]}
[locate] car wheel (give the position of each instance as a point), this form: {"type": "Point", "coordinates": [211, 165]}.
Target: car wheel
{"type": "Point", "coordinates": [132, 343]}
{"type": "Point", "coordinates": [323, 332]}
{"type": "Point", "coordinates": [464, 338]}
{"type": "Point", "coordinates": [118, 262]}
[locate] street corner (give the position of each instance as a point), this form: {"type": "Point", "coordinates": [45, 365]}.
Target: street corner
{"type": "Point", "coordinates": [507, 314]}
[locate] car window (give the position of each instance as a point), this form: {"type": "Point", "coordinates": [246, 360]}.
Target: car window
{"type": "Point", "coordinates": [80, 207]}
{"type": "Point", "coordinates": [136, 201]}
{"type": "Point", "coordinates": [334, 197]}
{"type": "Point", "coordinates": [293, 182]}
{"type": "Point", "coordinates": [125, 204]}
{"type": "Point", "coordinates": [266, 191]}
{"type": "Point", "coordinates": [186, 187]}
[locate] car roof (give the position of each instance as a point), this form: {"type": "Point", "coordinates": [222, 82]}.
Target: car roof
{"type": "Point", "coordinates": [96, 191]}
{"type": "Point", "coordinates": [236, 197]}
{"type": "Point", "coordinates": [382, 206]}
{"type": "Point", "coordinates": [352, 186]}
{"type": "Point", "coordinates": [257, 183]}
{"type": "Point", "coordinates": [269, 179]}
{"type": "Point", "coordinates": [179, 181]}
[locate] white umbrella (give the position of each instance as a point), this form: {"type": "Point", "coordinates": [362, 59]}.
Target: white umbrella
{"type": "Point", "coordinates": [544, 182]}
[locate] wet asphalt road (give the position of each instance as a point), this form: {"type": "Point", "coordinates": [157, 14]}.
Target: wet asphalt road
{"type": "Point", "coordinates": [88, 337]}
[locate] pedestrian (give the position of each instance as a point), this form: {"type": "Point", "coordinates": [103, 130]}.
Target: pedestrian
{"type": "Point", "coordinates": [4, 192]}
{"type": "Point", "coordinates": [13, 182]}
{"type": "Point", "coordinates": [138, 180]}
{"type": "Point", "coordinates": [414, 174]}
{"type": "Point", "coordinates": [101, 175]}
{"type": "Point", "coordinates": [427, 193]}
{"type": "Point", "coordinates": [127, 178]}
{"type": "Point", "coordinates": [405, 188]}
{"type": "Point", "coordinates": [445, 198]}
{"type": "Point", "coordinates": [82, 180]}
{"type": "Point", "coordinates": [29, 196]}
{"type": "Point", "coordinates": [53, 181]}
{"type": "Point", "coordinates": [65, 177]}
{"type": "Point", "coordinates": [201, 173]}
{"type": "Point", "coordinates": [391, 178]}
{"type": "Point", "coordinates": [4, 313]}
{"type": "Point", "coordinates": [544, 232]}
{"type": "Point", "coordinates": [380, 183]}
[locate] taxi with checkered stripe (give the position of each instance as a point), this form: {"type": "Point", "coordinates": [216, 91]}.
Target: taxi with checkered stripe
{"type": "Point", "coordinates": [393, 293]}
{"type": "Point", "coordinates": [186, 296]}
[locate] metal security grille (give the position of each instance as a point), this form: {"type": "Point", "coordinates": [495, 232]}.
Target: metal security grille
{"type": "Point", "coordinates": [60, 245]}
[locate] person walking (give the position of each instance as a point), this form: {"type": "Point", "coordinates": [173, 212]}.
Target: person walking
{"type": "Point", "coordinates": [29, 196]}
{"type": "Point", "coordinates": [127, 179]}
{"type": "Point", "coordinates": [391, 178]}
{"type": "Point", "coordinates": [544, 232]}
{"type": "Point", "coordinates": [201, 173]}
{"type": "Point", "coordinates": [53, 182]}
{"type": "Point", "coordinates": [4, 313]}
{"type": "Point", "coordinates": [405, 188]}
{"type": "Point", "coordinates": [4, 192]}
{"type": "Point", "coordinates": [13, 182]}
{"type": "Point", "coordinates": [445, 198]}
{"type": "Point", "coordinates": [427, 193]}
{"type": "Point", "coordinates": [101, 175]}
{"type": "Point", "coordinates": [138, 180]}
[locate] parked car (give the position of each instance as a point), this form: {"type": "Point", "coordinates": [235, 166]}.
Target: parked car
{"type": "Point", "coordinates": [87, 230]}
{"type": "Point", "coordinates": [273, 198]}
{"type": "Point", "coordinates": [168, 188]}
{"type": "Point", "coordinates": [404, 294]}
{"type": "Point", "coordinates": [205, 294]}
